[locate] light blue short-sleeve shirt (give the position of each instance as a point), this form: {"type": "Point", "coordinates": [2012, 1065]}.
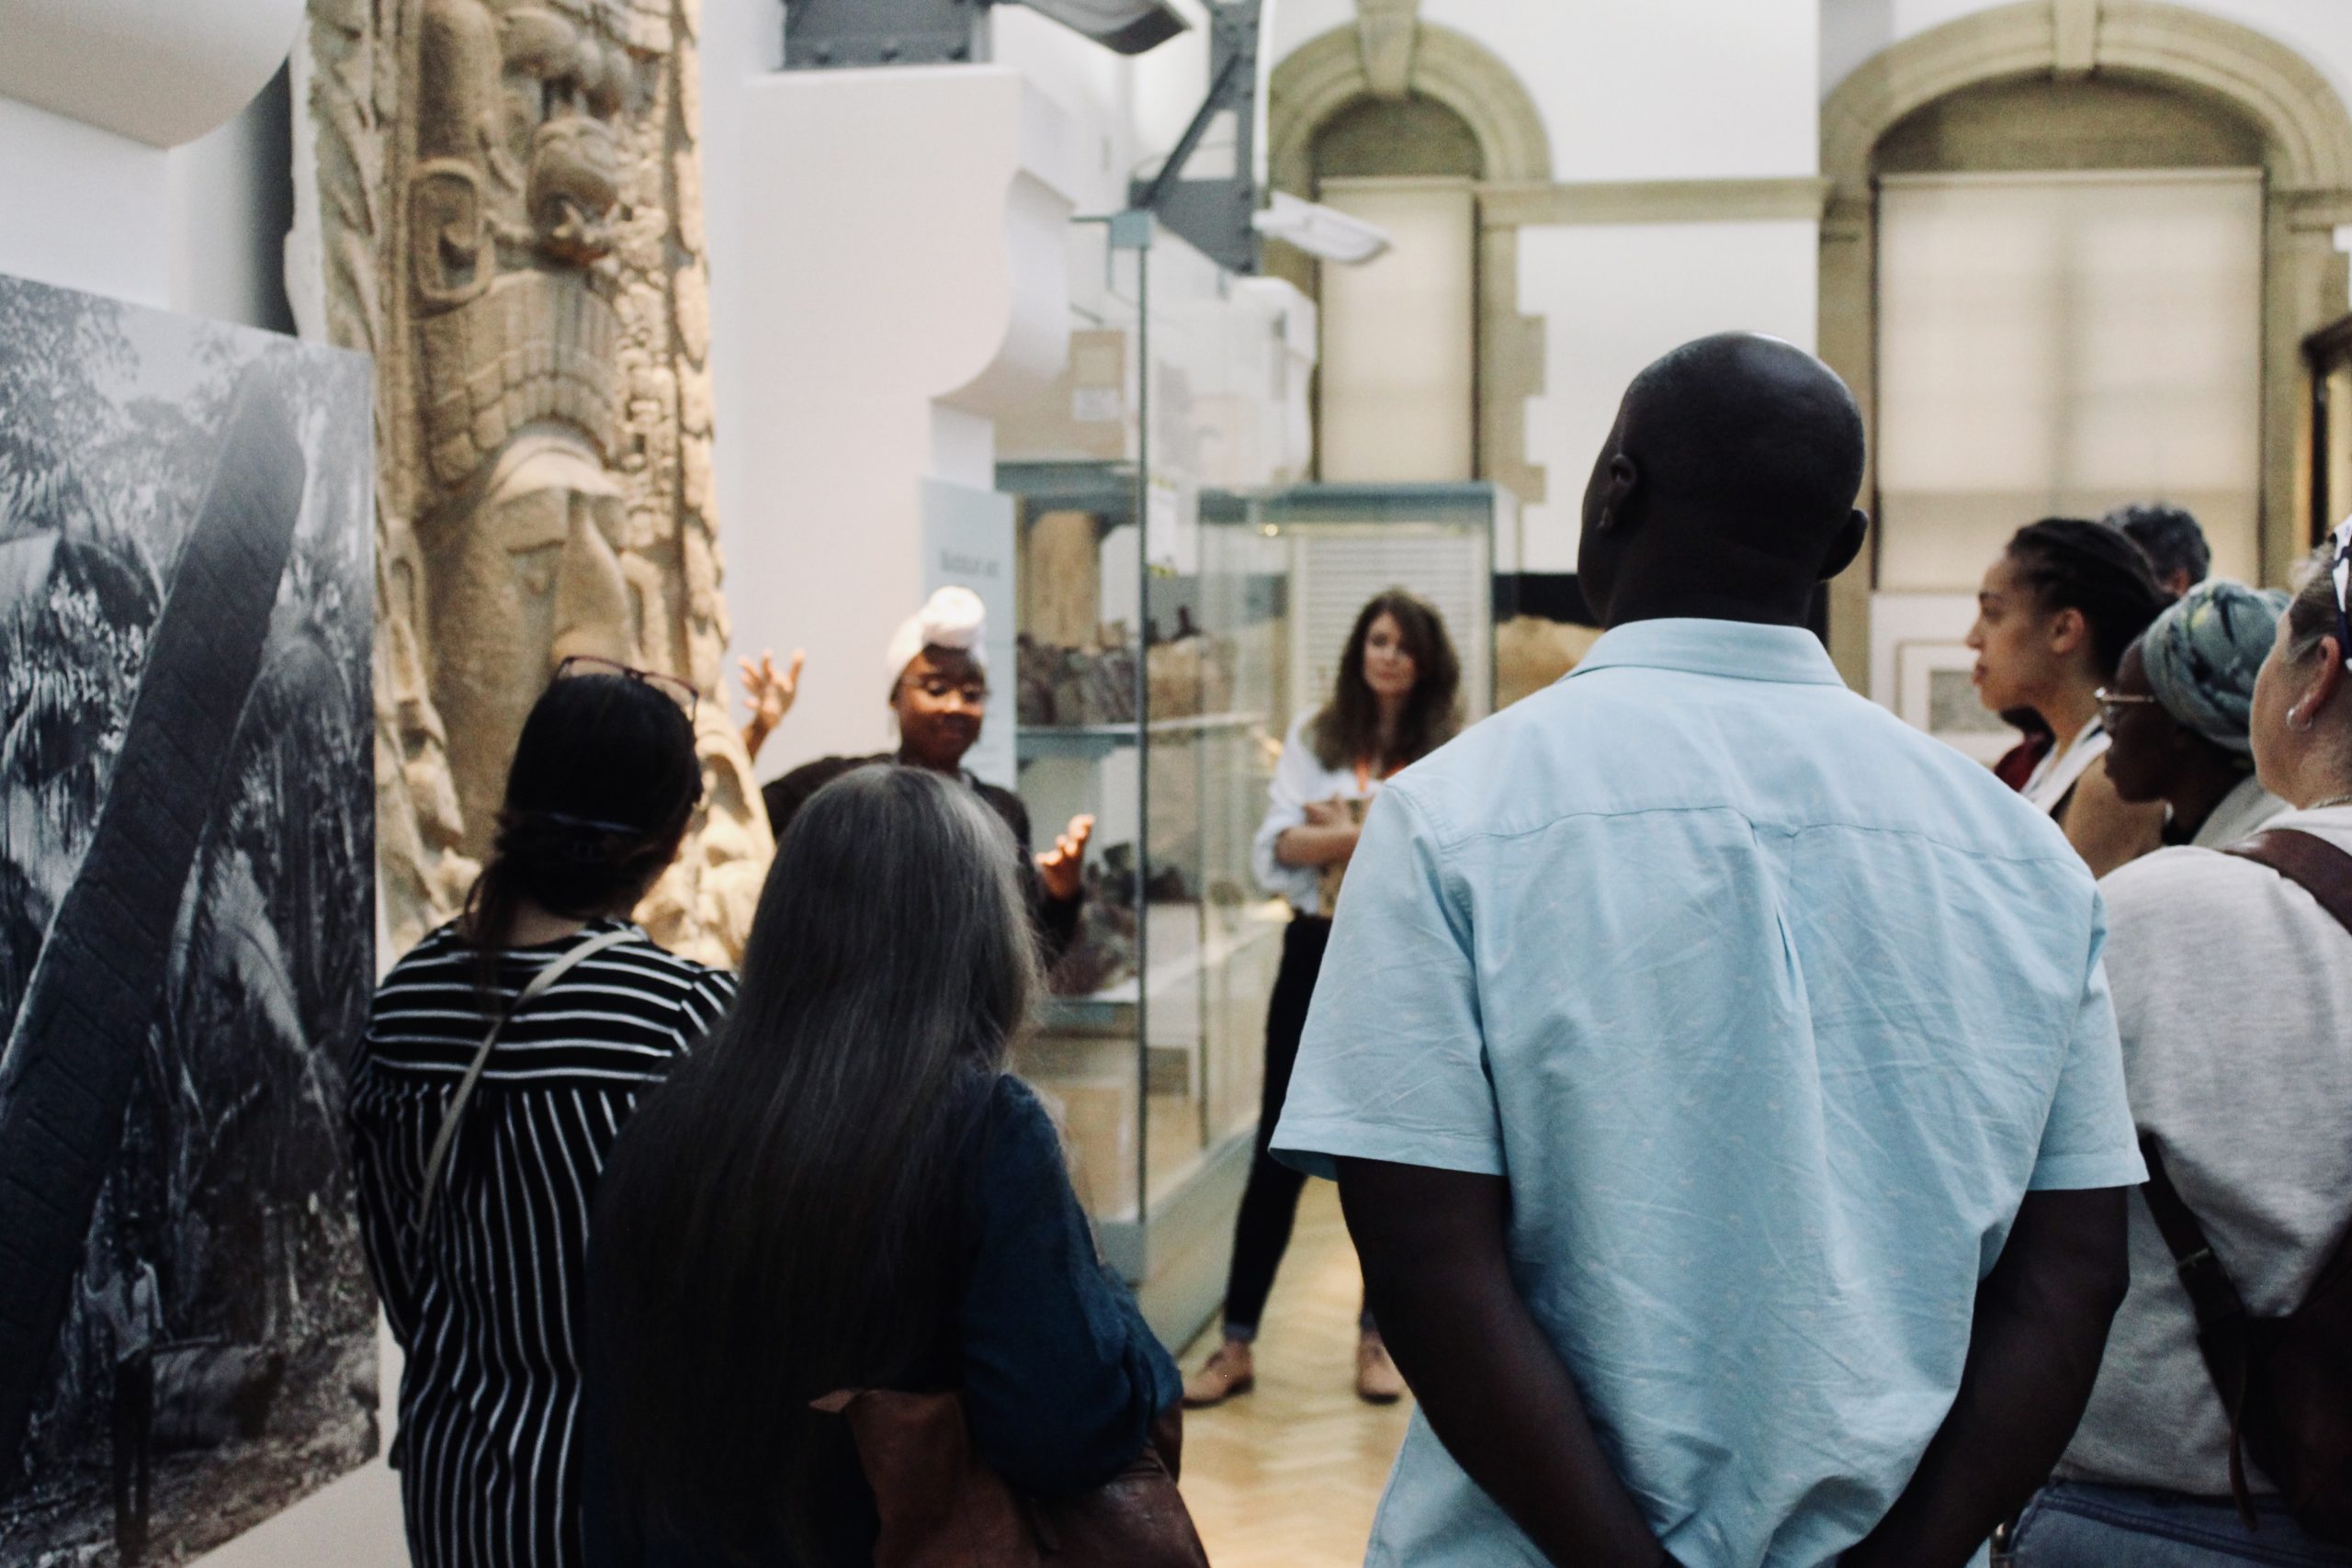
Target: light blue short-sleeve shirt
{"type": "Point", "coordinates": [1771, 1010]}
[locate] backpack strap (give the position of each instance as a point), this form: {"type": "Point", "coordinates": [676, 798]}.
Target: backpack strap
{"type": "Point", "coordinates": [436, 1164]}
{"type": "Point", "coordinates": [2221, 1312]}
{"type": "Point", "coordinates": [2211, 1290]}
{"type": "Point", "coordinates": [2309, 861]}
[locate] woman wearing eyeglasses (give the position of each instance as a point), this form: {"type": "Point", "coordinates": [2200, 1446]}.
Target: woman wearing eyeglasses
{"type": "Point", "coordinates": [2179, 711]}
{"type": "Point", "coordinates": [2232, 981]}
{"type": "Point", "coordinates": [2055, 613]}
{"type": "Point", "coordinates": [939, 695]}
{"type": "Point", "coordinates": [502, 1057]}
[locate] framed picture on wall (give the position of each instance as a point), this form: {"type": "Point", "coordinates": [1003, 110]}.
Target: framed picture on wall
{"type": "Point", "coordinates": [1935, 694]}
{"type": "Point", "coordinates": [1919, 671]}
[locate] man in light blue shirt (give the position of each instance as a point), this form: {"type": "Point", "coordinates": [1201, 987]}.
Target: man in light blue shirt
{"type": "Point", "coordinates": [1720, 1076]}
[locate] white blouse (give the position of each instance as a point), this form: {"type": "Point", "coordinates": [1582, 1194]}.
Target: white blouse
{"type": "Point", "coordinates": [1300, 778]}
{"type": "Point", "coordinates": [2059, 772]}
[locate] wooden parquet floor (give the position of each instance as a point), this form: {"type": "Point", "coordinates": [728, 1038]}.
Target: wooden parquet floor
{"type": "Point", "coordinates": [1289, 1476]}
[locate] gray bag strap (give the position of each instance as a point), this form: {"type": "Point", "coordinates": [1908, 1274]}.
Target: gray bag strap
{"type": "Point", "coordinates": [451, 1120]}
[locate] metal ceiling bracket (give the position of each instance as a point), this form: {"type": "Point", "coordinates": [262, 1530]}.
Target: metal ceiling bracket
{"type": "Point", "coordinates": [823, 35]}
{"type": "Point", "coordinates": [1215, 213]}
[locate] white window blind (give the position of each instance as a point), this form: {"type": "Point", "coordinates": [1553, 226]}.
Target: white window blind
{"type": "Point", "coordinates": [2058, 344]}
{"type": "Point", "coordinates": [1400, 338]}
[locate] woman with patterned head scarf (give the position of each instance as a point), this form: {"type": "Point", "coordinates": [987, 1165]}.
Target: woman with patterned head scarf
{"type": "Point", "coordinates": [2179, 711]}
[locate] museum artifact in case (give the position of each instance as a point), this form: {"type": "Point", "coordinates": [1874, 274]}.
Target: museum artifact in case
{"type": "Point", "coordinates": [1153, 694]}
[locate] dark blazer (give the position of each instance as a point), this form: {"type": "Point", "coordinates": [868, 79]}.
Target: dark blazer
{"type": "Point", "coordinates": [1055, 918]}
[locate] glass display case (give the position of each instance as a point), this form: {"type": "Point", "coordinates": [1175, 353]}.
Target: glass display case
{"type": "Point", "coordinates": [1339, 545]}
{"type": "Point", "coordinates": [1166, 735]}
{"type": "Point", "coordinates": [1153, 691]}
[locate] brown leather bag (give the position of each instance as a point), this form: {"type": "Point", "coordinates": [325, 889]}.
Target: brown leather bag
{"type": "Point", "coordinates": [943, 1507]}
{"type": "Point", "coordinates": [2286, 1382]}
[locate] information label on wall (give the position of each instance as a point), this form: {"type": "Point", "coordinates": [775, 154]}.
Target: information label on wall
{"type": "Point", "coordinates": [967, 537]}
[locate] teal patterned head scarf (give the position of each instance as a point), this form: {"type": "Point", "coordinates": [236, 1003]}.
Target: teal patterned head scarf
{"type": "Point", "coordinates": [2203, 655]}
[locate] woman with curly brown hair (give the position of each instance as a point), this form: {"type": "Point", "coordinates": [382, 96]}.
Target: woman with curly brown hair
{"type": "Point", "coordinates": [1396, 699]}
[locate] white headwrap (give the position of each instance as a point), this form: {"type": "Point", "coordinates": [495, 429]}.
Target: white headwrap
{"type": "Point", "coordinates": [955, 618]}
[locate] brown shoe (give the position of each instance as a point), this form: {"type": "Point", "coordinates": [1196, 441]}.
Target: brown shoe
{"type": "Point", "coordinates": [1377, 1379]}
{"type": "Point", "coordinates": [1228, 1372]}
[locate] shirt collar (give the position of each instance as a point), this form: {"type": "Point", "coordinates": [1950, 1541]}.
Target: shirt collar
{"type": "Point", "coordinates": [1737, 650]}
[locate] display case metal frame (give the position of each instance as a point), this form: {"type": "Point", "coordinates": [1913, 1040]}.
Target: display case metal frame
{"type": "Point", "coordinates": [1168, 1231]}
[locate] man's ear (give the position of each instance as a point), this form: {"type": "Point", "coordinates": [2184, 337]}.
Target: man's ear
{"type": "Point", "coordinates": [1623, 483]}
{"type": "Point", "coordinates": [1851, 535]}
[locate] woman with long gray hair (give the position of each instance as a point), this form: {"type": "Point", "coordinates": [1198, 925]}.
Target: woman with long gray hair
{"type": "Point", "coordinates": [846, 1188]}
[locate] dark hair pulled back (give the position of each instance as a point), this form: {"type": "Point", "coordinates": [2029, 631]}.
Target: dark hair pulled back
{"type": "Point", "coordinates": [1347, 729]}
{"type": "Point", "coordinates": [605, 778]}
{"type": "Point", "coordinates": [2071, 564]}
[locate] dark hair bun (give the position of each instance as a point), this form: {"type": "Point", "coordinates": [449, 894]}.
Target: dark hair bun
{"type": "Point", "coordinates": [2071, 564]}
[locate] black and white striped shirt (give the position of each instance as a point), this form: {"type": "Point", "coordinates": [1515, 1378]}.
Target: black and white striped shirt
{"type": "Point", "coordinates": [486, 1300]}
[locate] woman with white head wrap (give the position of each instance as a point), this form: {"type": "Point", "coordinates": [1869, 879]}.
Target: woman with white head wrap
{"type": "Point", "coordinates": [2180, 708]}
{"type": "Point", "coordinates": [938, 666]}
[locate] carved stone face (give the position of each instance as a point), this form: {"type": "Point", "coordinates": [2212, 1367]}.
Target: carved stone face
{"type": "Point", "coordinates": [565, 79]}
{"type": "Point", "coordinates": [530, 576]}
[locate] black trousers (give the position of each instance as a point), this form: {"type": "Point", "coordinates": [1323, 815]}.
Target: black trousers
{"type": "Point", "coordinates": [1270, 1203]}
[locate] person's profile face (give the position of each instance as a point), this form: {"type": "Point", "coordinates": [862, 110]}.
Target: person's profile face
{"type": "Point", "coordinates": [1389, 667]}
{"type": "Point", "coordinates": [942, 701]}
{"type": "Point", "coordinates": [2143, 738]}
{"type": "Point", "coordinates": [2010, 638]}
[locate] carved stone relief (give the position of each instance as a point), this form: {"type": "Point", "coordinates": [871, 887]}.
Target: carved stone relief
{"type": "Point", "coordinates": [502, 202]}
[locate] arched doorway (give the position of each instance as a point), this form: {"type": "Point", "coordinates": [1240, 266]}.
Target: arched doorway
{"type": "Point", "coordinates": [2065, 86]}
{"type": "Point", "coordinates": [1418, 104]}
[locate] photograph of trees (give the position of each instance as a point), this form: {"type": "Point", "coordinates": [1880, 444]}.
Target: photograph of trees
{"type": "Point", "coordinates": [188, 1338]}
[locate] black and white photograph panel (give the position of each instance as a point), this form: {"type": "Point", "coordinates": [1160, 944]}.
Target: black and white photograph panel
{"type": "Point", "coordinates": [188, 1336]}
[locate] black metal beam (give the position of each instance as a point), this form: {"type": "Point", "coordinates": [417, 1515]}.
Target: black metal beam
{"type": "Point", "coordinates": [1214, 214]}
{"type": "Point", "coordinates": [820, 35]}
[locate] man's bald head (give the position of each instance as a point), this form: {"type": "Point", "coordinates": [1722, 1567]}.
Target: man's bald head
{"type": "Point", "coordinates": [1736, 458]}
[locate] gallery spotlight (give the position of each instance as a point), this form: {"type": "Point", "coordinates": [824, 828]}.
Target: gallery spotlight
{"type": "Point", "coordinates": [1323, 232]}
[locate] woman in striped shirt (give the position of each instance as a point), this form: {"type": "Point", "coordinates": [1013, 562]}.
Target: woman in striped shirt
{"type": "Point", "coordinates": [478, 1238]}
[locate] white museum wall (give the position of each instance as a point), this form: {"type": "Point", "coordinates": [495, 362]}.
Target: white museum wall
{"type": "Point", "coordinates": [1614, 296]}
{"type": "Point", "coordinates": [1669, 89]}
{"type": "Point", "coordinates": [1853, 31]}
{"type": "Point", "coordinates": [819, 538]}
{"type": "Point", "coordinates": [193, 229]}
{"type": "Point", "coordinates": [85, 209]}
{"type": "Point", "coordinates": [902, 324]}
{"type": "Point", "coordinates": [196, 227]}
